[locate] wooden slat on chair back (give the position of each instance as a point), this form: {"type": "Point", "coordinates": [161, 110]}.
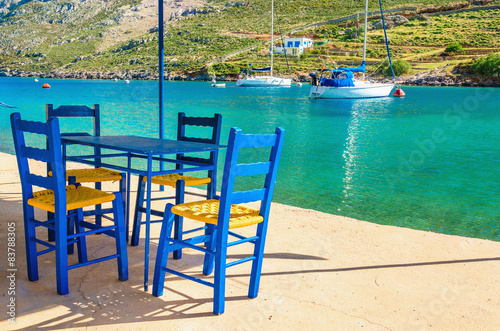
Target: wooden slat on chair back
{"type": "Point", "coordinates": [213, 122]}
{"type": "Point", "coordinates": [269, 168]}
{"type": "Point", "coordinates": [76, 111]}
{"type": "Point", "coordinates": [51, 155]}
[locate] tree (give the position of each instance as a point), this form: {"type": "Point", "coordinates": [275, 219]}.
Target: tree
{"type": "Point", "coordinates": [487, 66]}
{"type": "Point", "coordinates": [454, 48]}
{"type": "Point", "coordinates": [400, 67]}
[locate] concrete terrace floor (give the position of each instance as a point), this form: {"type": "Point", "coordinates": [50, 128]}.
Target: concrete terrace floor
{"type": "Point", "coordinates": [321, 272]}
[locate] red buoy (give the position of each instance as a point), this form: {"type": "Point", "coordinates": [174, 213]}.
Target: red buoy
{"type": "Point", "coordinates": [46, 85]}
{"type": "Point", "coordinates": [398, 93]}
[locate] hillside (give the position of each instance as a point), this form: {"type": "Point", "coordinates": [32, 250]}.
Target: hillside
{"type": "Point", "coordinates": [102, 39]}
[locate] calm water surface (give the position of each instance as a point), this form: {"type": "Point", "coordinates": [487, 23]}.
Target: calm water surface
{"type": "Point", "coordinates": [429, 161]}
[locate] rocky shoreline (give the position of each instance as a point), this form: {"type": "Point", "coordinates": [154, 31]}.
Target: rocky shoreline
{"type": "Point", "coordinates": [433, 78]}
{"type": "Point", "coordinates": [436, 79]}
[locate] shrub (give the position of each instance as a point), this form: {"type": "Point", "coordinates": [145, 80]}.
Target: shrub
{"type": "Point", "coordinates": [454, 48]}
{"type": "Point", "coordinates": [400, 67]}
{"type": "Point", "coordinates": [487, 66]}
{"type": "Point", "coordinates": [224, 68]}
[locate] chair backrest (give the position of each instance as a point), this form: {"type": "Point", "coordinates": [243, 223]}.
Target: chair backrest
{"type": "Point", "coordinates": [214, 122]}
{"type": "Point", "coordinates": [233, 169]}
{"type": "Point", "coordinates": [76, 111]}
{"type": "Point", "coordinates": [25, 150]}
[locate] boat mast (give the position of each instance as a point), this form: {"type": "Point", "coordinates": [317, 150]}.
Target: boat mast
{"type": "Point", "coordinates": [272, 35]}
{"type": "Point", "coordinates": [364, 37]}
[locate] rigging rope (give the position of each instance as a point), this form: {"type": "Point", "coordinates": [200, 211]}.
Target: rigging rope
{"type": "Point", "coordinates": [6, 105]}
{"type": "Point", "coordinates": [383, 61]}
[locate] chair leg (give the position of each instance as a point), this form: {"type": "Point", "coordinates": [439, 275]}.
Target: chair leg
{"type": "Point", "coordinates": [71, 230]}
{"type": "Point", "coordinates": [72, 219]}
{"type": "Point", "coordinates": [253, 289]}
{"type": "Point", "coordinates": [61, 253]}
{"type": "Point", "coordinates": [121, 243]}
{"type": "Point", "coordinates": [134, 241]}
{"type": "Point", "coordinates": [98, 208]}
{"type": "Point", "coordinates": [220, 269]}
{"type": "Point", "coordinates": [210, 187]}
{"type": "Point", "coordinates": [81, 243]}
{"type": "Point", "coordinates": [179, 198]}
{"type": "Point", "coordinates": [29, 235]}
{"type": "Point", "coordinates": [210, 195]}
{"type": "Point", "coordinates": [208, 263]}
{"type": "Point", "coordinates": [163, 250]}
{"type": "Point", "coordinates": [51, 234]}
{"type": "Point", "coordinates": [124, 193]}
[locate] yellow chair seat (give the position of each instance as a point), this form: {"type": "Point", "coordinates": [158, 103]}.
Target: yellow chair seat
{"type": "Point", "coordinates": [76, 197]}
{"type": "Point", "coordinates": [208, 212]}
{"type": "Point", "coordinates": [92, 175]}
{"type": "Point", "coordinates": [170, 180]}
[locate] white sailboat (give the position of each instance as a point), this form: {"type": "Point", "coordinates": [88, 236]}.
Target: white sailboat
{"type": "Point", "coordinates": [342, 85]}
{"type": "Point", "coordinates": [265, 80]}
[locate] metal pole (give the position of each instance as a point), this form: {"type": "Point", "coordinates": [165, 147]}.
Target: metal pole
{"type": "Point", "coordinates": [272, 35]}
{"type": "Point", "coordinates": [364, 37]}
{"type": "Point", "coordinates": [386, 39]}
{"type": "Point", "coordinates": [160, 64]}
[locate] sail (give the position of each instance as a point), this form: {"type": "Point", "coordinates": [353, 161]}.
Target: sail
{"type": "Point", "coordinates": [262, 69]}
{"type": "Point", "coordinates": [361, 68]}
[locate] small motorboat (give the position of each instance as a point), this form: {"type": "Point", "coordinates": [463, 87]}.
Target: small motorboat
{"type": "Point", "coordinates": [127, 81]}
{"type": "Point", "coordinates": [219, 85]}
{"type": "Point", "coordinates": [299, 84]}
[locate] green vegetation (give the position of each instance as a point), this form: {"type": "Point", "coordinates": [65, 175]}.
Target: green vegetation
{"type": "Point", "coordinates": [78, 39]}
{"type": "Point", "coordinates": [469, 29]}
{"type": "Point", "coordinates": [420, 43]}
{"type": "Point", "coordinates": [222, 69]}
{"type": "Point", "coordinates": [454, 48]}
{"type": "Point", "coordinates": [488, 66]}
{"type": "Point", "coordinates": [400, 67]}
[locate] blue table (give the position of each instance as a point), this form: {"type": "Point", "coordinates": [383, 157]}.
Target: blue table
{"type": "Point", "coordinates": [140, 148]}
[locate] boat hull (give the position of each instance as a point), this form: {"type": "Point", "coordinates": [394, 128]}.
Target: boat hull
{"type": "Point", "coordinates": [264, 81]}
{"type": "Point", "coordinates": [361, 91]}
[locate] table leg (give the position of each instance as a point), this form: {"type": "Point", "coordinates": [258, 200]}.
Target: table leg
{"type": "Point", "coordinates": [148, 220]}
{"type": "Point", "coordinates": [127, 211]}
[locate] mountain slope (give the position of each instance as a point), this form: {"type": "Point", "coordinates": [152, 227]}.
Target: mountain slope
{"type": "Point", "coordinates": [120, 36]}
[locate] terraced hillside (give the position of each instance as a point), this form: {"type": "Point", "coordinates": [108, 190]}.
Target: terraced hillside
{"type": "Point", "coordinates": [221, 37]}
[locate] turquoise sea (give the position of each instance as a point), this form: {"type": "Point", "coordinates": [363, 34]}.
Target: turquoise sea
{"type": "Point", "coordinates": [429, 161]}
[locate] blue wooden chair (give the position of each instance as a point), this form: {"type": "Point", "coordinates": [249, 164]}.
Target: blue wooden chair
{"type": "Point", "coordinates": [224, 215]}
{"type": "Point", "coordinates": [179, 181]}
{"type": "Point", "coordinates": [65, 202]}
{"type": "Point", "coordinates": [97, 175]}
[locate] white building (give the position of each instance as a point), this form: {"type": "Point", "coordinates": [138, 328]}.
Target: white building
{"type": "Point", "coordinates": [293, 46]}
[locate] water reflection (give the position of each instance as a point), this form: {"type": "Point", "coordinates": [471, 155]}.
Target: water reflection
{"type": "Point", "coordinates": [340, 156]}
